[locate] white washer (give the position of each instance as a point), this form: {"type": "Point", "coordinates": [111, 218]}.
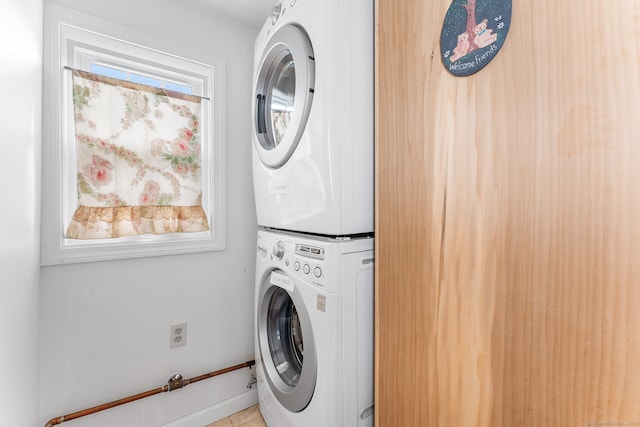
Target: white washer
{"type": "Point", "coordinates": [314, 330]}
{"type": "Point", "coordinates": [313, 117]}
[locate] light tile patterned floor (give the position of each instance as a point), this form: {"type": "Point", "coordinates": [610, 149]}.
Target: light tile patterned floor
{"type": "Point", "coordinates": [250, 417]}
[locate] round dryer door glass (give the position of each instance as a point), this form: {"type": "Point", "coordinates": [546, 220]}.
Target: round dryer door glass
{"type": "Point", "coordinates": [286, 343]}
{"type": "Point", "coordinates": [284, 86]}
{"type": "Point", "coordinates": [281, 92]}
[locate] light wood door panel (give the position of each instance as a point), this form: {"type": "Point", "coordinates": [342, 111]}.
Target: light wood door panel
{"type": "Point", "coordinates": [508, 221]}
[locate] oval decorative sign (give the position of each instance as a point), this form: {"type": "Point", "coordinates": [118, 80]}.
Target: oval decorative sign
{"type": "Point", "coordinates": [473, 33]}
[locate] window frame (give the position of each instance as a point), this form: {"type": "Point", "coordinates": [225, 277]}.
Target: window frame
{"type": "Point", "coordinates": [71, 38]}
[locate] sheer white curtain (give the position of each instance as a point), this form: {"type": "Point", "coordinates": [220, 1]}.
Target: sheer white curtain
{"type": "Point", "coordinates": [138, 160]}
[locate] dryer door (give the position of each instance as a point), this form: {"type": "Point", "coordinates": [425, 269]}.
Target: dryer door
{"type": "Point", "coordinates": [282, 95]}
{"type": "Point", "coordinates": [285, 341]}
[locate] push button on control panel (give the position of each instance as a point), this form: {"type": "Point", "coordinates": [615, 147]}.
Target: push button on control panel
{"type": "Point", "coordinates": [317, 272]}
{"type": "Point", "coordinates": [296, 266]}
{"type": "Point", "coordinates": [306, 269]}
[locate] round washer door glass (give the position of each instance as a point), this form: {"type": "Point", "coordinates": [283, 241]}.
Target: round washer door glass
{"type": "Point", "coordinates": [286, 344]}
{"type": "Point", "coordinates": [283, 95]}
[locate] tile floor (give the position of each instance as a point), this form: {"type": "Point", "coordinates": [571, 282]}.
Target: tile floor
{"type": "Point", "coordinates": [250, 417]}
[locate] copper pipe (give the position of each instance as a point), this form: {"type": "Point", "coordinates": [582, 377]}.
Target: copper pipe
{"type": "Point", "coordinates": [175, 382]}
{"type": "Point", "coordinates": [221, 371]}
{"type": "Point", "coordinates": [85, 412]}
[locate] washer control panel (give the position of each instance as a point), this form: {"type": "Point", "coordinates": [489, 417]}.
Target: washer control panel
{"type": "Point", "coordinates": [308, 260]}
{"type": "Point", "coordinates": [312, 266]}
{"type": "Point", "coordinates": [309, 251]}
{"type": "Point", "coordinates": [304, 259]}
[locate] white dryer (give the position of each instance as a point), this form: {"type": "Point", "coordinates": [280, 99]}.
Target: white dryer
{"type": "Point", "coordinates": [314, 330]}
{"type": "Point", "coordinates": [313, 117]}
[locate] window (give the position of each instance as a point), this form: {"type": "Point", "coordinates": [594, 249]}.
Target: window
{"type": "Point", "coordinates": [123, 74]}
{"type": "Point", "coordinates": [78, 41]}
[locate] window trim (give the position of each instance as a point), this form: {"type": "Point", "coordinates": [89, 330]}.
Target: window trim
{"type": "Point", "coordinates": [65, 28]}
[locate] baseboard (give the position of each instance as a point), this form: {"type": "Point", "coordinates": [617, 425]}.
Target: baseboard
{"type": "Point", "coordinates": [218, 411]}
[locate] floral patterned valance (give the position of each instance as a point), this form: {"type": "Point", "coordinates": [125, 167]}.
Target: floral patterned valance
{"type": "Point", "coordinates": [138, 160]}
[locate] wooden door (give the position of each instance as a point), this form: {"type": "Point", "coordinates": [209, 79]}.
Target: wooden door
{"type": "Point", "coordinates": [508, 221]}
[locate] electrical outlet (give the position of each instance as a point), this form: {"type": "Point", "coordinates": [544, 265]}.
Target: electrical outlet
{"type": "Point", "coordinates": [177, 335]}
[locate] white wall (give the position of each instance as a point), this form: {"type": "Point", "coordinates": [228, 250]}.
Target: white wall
{"type": "Point", "coordinates": [104, 326]}
{"type": "Point", "coordinates": [20, 127]}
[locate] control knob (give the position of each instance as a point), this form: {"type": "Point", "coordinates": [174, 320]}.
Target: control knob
{"type": "Point", "coordinates": [276, 13]}
{"type": "Point", "coordinates": [278, 249]}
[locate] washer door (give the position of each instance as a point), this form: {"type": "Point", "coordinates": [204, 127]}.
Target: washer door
{"type": "Point", "coordinates": [283, 95]}
{"type": "Point", "coordinates": [285, 341]}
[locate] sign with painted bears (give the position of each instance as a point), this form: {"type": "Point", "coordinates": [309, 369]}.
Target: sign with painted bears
{"type": "Point", "coordinates": [473, 33]}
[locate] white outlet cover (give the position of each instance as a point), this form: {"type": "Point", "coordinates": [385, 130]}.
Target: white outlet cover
{"type": "Point", "coordinates": [177, 335]}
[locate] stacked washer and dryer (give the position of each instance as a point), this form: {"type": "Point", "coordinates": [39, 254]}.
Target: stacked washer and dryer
{"type": "Point", "coordinates": [313, 180]}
